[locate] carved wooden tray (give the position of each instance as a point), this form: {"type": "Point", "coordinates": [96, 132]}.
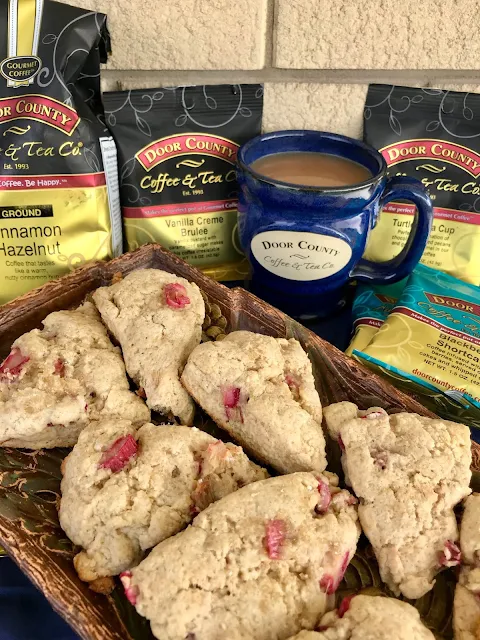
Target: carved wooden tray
{"type": "Point", "coordinates": [29, 481]}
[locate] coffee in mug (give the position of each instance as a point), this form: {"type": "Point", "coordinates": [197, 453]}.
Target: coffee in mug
{"type": "Point", "coordinates": [311, 169]}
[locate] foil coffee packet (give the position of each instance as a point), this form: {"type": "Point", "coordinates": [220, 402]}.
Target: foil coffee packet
{"type": "Point", "coordinates": [177, 153]}
{"type": "Point", "coordinates": [59, 200]}
{"type": "Point", "coordinates": [371, 306]}
{"type": "Point", "coordinates": [434, 136]}
{"type": "Point", "coordinates": [430, 344]}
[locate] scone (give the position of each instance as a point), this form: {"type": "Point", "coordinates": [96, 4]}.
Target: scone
{"type": "Point", "coordinates": [157, 319]}
{"type": "Point", "coordinates": [59, 379]}
{"type": "Point", "coordinates": [466, 606]}
{"type": "Point", "coordinates": [260, 563]}
{"type": "Point", "coordinates": [370, 618]}
{"type": "Point", "coordinates": [261, 390]}
{"type": "Point", "coordinates": [409, 473]}
{"type": "Point", "coordinates": [470, 531]}
{"type": "Point", "coordinates": [466, 609]}
{"type": "Point", "coordinates": [123, 490]}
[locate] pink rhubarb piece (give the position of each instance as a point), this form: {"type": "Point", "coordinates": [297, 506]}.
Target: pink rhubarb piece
{"type": "Point", "coordinates": [119, 454]}
{"type": "Point", "coordinates": [59, 368]}
{"type": "Point", "coordinates": [451, 555]}
{"type": "Point", "coordinates": [176, 295]}
{"type": "Point", "coordinates": [330, 583]}
{"type": "Point", "coordinates": [344, 605]}
{"type": "Point", "coordinates": [131, 591]}
{"type": "Point", "coordinates": [275, 533]}
{"type": "Point", "coordinates": [12, 365]}
{"type": "Point", "coordinates": [231, 401]}
{"type": "Point", "coordinates": [325, 497]}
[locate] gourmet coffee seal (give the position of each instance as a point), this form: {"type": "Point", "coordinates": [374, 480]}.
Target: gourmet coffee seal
{"type": "Point", "coordinates": [59, 202]}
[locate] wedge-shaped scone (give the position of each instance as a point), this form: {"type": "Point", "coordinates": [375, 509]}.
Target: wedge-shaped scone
{"type": "Point", "coordinates": [261, 390]}
{"type": "Point", "coordinates": [466, 610]}
{"type": "Point", "coordinates": [409, 472]}
{"type": "Point", "coordinates": [370, 618]}
{"type": "Point", "coordinates": [57, 380]}
{"type": "Point", "coordinates": [157, 319]}
{"type": "Point", "coordinates": [123, 490]}
{"type": "Point", "coordinates": [260, 563]}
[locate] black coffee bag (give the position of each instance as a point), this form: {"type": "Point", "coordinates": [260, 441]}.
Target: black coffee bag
{"type": "Point", "coordinates": [177, 152]}
{"type": "Point", "coordinates": [432, 135]}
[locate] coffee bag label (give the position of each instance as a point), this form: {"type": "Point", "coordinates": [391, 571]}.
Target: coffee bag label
{"type": "Point", "coordinates": [179, 171]}
{"type": "Point", "coordinates": [298, 255]}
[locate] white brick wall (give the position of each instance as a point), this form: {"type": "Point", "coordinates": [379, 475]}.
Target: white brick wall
{"type": "Point", "coordinates": [377, 34]}
{"type": "Point", "coordinates": [316, 57]}
{"type": "Point", "coordinates": [326, 107]}
{"type": "Point", "coordinates": [185, 34]}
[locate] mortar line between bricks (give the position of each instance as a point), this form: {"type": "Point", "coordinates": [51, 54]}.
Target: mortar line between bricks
{"type": "Point", "coordinates": [270, 34]}
{"type": "Point", "coordinates": [426, 77]}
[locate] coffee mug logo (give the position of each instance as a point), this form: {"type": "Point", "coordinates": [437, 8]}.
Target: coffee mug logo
{"type": "Point", "coordinates": [302, 256]}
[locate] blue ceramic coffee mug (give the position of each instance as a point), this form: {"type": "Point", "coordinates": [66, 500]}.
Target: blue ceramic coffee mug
{"type": "Point", "coordinates": [306, 243]}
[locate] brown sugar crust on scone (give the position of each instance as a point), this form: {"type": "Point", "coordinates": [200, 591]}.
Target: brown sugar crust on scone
{"type": "Point", "coordinates": [372, 617]}
{"type": "Point", "coordinates": [409, 472]}
{"type": "Point", "coordinates": [124, 490]}
{"type": "Point", "coordinates": [59, 379]}
{"type": "Point", "coordinates": [466, 609]}
{"type": "Point", "coordinates": [262, 391]}
{"type": "Point", "coordinates": [261, 563]}
{"type": "Point", "coordinates": [157, 319]}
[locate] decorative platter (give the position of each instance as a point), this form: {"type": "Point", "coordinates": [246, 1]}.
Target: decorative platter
{"type": "Point", "coordinates": [30, 481]}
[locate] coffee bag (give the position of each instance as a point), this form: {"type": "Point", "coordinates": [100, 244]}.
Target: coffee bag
{"type": "Point", "coordinates": [430, 344]}
{"type": "Point", "coordinates": [59, 204]}
{"type": "Point", "coordinates": [371, 306]}
{"type": "Point", "coordinates": [432, 135]}
{"type": "Point", "coordinates": [177, 152]}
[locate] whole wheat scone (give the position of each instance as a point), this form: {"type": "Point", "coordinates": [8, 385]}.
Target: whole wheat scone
{"type": "Point", "coordinates": [370, 618]}
{"type": "Point", "coordinates": [124, 490]}
{"type": "Point", "coordinates": [261, 390]}
{"type": "Point", "coordinates": [409, 472]}
{"type": "Point", "coordinates": [260, 563]}
{"type": "Point", "coordinates": [157, 319]}
{"type": "Point", "coordinates": [466, 609]}
{"type": "Point", "coordinates": [59, 379]}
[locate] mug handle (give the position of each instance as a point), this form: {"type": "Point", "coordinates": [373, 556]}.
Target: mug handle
{"type": "Point", "coordinates": [401, 188]}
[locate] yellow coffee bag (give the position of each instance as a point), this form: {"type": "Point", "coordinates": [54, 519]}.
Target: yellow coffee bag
{"type": "Point", "coordinates": [59, 201]}
{"type": "Point", "coordinates": [430, 344]}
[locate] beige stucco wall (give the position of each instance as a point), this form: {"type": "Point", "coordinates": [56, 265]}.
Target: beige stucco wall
{"type": "Point", "coordinates": [316, 57]}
